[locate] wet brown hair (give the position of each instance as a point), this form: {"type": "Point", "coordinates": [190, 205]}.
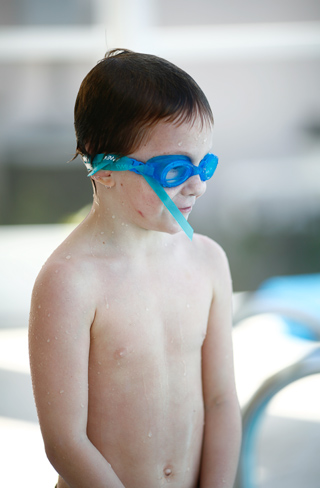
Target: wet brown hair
{"type": "Point", "coordinates": [128, 93]}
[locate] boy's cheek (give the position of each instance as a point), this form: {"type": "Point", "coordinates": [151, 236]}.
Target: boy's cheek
{"type": "Point", "coordinates": [151, 204]}
{"type": "Point", "coordinates": [145, 201]}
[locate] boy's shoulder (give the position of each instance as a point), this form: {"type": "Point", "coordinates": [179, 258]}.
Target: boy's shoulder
{"type": "Point", "coordinates": [208, 248]}
{"type": "Point", "coordinates": [214, 259]}
{"type": "Point", "coordinates": [65, 269]}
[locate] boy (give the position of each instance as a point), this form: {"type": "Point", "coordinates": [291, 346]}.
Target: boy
{"type": "Point", "coordinates": [130, 324]}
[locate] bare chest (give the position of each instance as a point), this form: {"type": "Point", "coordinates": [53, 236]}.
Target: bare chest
{"type": "Point", "coordinates": [148, 315]}
{"type": "Point", "coordinates": [145, 365]}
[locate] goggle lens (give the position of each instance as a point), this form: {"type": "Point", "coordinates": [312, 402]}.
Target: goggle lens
{"type": "Point", "coordinates": [176, 175]}
{"type": "Point", "coordinates": [209, 165]}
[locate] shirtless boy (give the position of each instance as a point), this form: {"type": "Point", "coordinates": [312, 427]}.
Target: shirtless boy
{"type": "Point", "coordinates": [130, 324]}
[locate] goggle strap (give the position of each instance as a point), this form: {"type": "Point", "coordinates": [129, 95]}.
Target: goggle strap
{"type": "Point", "coordinates": [97, 168]}
{"type": "Point", "coordinates": [173, 209]}
{"type": "Point", "coordinates": [122, 164]}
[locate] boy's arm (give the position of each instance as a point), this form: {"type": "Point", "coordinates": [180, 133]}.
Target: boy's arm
{"type": "Point", "coordinates": [222, 431]}
{"type": "Point", "coordinates": [62, 312]}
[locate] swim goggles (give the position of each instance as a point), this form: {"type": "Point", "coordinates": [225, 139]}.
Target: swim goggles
{"type": "Point", "coordinates": [160, 172]}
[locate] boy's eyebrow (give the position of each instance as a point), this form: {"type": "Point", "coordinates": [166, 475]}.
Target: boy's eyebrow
{"type": "Point", "coordinates": [190, 156]}
{"type": "Point", "coordinates": [181, 153]}
{"type": "Point", "coordinates": [177, 153]}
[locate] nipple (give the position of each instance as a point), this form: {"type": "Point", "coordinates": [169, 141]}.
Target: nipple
{"type": "Point", "coordinates": [122, 352]}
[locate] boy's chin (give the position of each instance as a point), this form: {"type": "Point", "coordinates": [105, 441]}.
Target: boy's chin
{"type": "Point", "coordinates": [172, 229]}
{"type": "Point", "coordinates": [168, 226]}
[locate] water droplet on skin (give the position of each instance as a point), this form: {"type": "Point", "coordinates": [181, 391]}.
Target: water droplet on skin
{"type": "Point", "coordinates": [61, 391]}
{"type": "Point", "coordinates": [81, 404]}
{"type": "Point", "coordinates": [48, 340]}
{"type": "Point", "coordinates": [49, 403]}
{"type": "Point", "coordinates": [49, 314]}
{"type": "Point", "coordinates": [150, 434]}
{"type": "Point", "coordinates": [107, 306]}
{"type": "Point", "coordinates": [188, 306]}
{"type": "Point", "coordinates": [39, 306]}
{"type": "Point", "coordinates": [113, 216]}
{"type": "Point", "coordinates": [68, 257]}
{"type": "Point", "coordinates": [179, 144]}
{"type": "Point", "coordinates": [122, 223]}
{"type": "Point", "coordinates": [101, 233]}
{"type": "Point", "coordinates": [56, 271]}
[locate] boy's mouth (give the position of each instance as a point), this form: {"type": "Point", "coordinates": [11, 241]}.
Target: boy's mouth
{"type": "Point", "coordinates": [185, 209]}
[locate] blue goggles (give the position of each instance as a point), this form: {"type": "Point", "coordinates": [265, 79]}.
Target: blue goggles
{"type": "Point", "coordinates": [161, 171]}
{"type": "Point", "coordinates": [169, 171]}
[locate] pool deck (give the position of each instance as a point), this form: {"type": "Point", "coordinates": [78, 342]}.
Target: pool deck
{"type": "Point", "coordinates": [289, 441]}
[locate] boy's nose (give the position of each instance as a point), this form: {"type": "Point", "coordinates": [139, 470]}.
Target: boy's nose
{"type": "Point", "coordinates": [194, 186]}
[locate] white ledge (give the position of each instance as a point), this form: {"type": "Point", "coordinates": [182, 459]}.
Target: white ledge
{"type": "Point", "coordinates": [215, 42]}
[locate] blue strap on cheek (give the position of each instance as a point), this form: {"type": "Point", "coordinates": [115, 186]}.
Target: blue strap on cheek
{"type": "Point", "coordinates": [173, 209]}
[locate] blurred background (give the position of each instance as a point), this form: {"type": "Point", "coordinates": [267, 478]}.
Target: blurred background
{"type": "Point", "coordinates": [259, 64]}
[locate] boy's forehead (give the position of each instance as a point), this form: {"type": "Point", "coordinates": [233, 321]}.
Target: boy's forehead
{"type": "Point", "coordinates": [169, 136]}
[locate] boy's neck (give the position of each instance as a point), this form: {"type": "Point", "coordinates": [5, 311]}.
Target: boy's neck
{"type": "Point", "coordinates": [110, 229]}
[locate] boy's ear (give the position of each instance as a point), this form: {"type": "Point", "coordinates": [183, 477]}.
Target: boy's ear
{"type": "Point", "coordinates": [104, 177]}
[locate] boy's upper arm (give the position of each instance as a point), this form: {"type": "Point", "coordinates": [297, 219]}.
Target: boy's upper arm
{"type": "Point", "coordinates": [217, 353]}
{"type": "Point", "coordinates": [59, 340]}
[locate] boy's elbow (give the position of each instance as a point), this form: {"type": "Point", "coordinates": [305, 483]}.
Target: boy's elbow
{"type": "Point", "coordinates": [53, 454]}
{"type": "Point", "coordinates": [59, 451]}
{"type": "Point", "coordinates": [222, 401]}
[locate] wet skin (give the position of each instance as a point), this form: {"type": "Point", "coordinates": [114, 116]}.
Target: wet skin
{"type": "Point", "coordinates": [123, 362]}
{"type": "Point", "coordinates": [145, 367]}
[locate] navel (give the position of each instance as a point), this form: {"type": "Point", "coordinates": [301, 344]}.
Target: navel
{"type": "Point", "coordinates": [167, 471]}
